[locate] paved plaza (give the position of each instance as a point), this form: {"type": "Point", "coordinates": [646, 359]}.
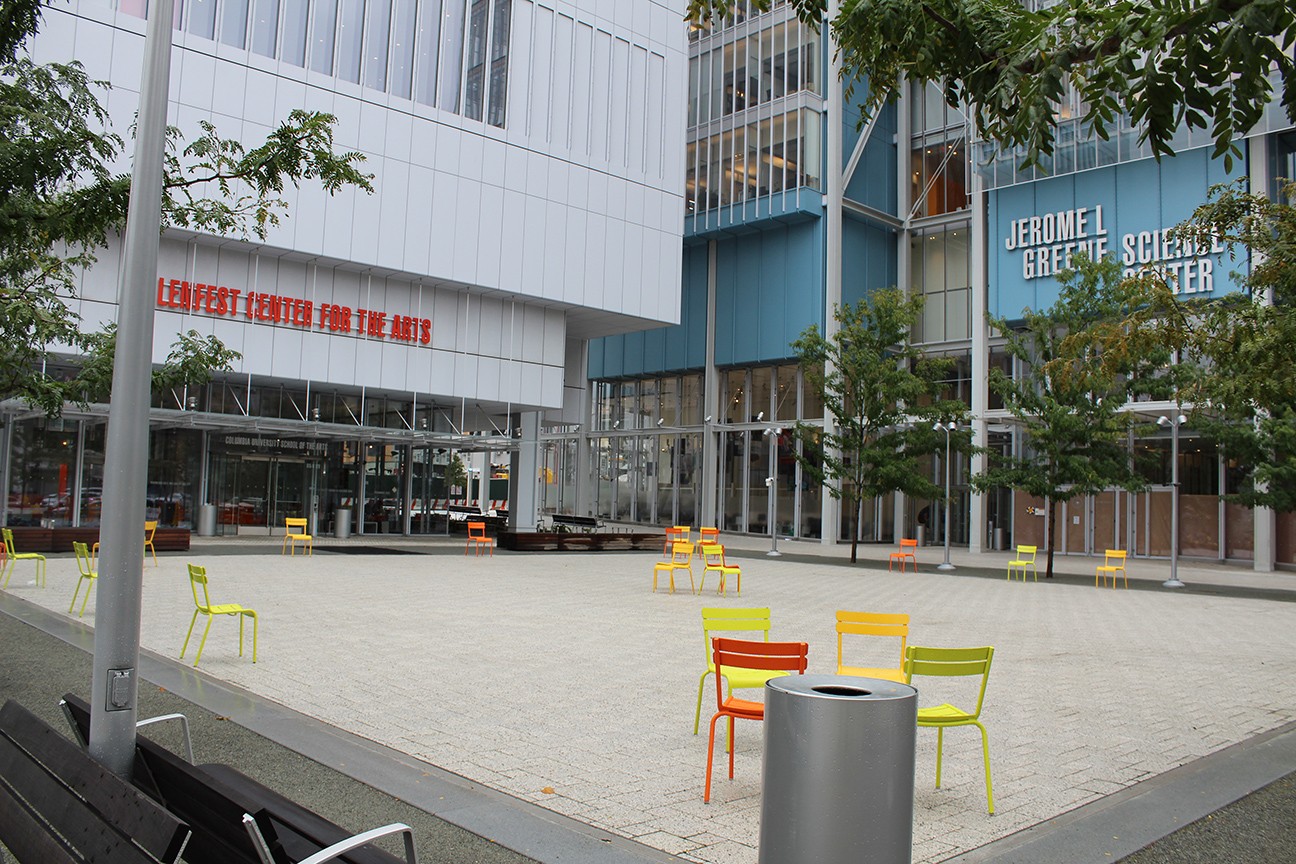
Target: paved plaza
{"type": "Point", "coordinates": [561, 679]}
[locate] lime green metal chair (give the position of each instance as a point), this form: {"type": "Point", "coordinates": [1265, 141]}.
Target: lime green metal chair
{"type": "Point", "coordinates": [13, 556]}
{"type": "Point", "coordinates": [88, 574]}
{"type": "Point", "coordinates": [197, 580]}
{"type": "Point", "coordinates": [1025, 558]}
{"type": "Point", "coordinates": [725, 620]}
{"type": "Point", "coordinates": [953, 662]}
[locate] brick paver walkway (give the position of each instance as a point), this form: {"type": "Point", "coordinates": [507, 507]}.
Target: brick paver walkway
{"type": "Point", "coordinates": [563, 680]}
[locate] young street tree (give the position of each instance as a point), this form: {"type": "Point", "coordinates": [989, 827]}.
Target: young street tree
{"type": "Point", "coordinates": [61, 197]}
{"type": "Point", "coordinates": [1210, 65]}
{"type": "Point", "coordinates": [1235, 351]}
{"type": "Point", "coordinates": [883, 395]}
{"type": "Point", "coordinates": [1069, 398]}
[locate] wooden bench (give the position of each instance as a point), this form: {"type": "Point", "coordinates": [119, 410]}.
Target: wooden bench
{"type": "Point", "coordinates": [567, 541]}
{"type": "Point", "coordinates": [235, 819]}
{"type": "Point", "coordinates": [61, 539]}
{"type": "Point", "coordinates": [59, 805]}
{"type": "Point", "coordinates": [563, 522]}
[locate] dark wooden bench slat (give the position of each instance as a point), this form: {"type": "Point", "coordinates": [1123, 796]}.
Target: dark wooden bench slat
{"type": "Point", "coordinates": [135, 816]}
{"type": "Point", "coordinates": [213, 798]}
{"type": "Point", "coordinates": [25, 835]}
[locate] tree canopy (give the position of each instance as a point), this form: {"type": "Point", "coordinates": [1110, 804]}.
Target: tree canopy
{"type": "Point", "coordinates": [61, 197]}
{"type": "Point", "coordinates": [1211, 65]}
{"type": "Point", "coordinates": [883, 395]}
{"type": "Point", "coordinates": [1069, 397]}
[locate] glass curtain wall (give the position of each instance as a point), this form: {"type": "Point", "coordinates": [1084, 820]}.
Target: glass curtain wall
{"type": "Point", "coordinates": [754, 111]}
{"type": "Point", "coordinates": [408, 48]}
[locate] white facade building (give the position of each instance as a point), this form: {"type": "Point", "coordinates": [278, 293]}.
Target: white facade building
{"type": "Point", "coordinates": [528, 166]}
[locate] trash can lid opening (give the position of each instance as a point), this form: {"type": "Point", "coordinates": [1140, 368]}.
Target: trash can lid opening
{"type": "Point", "coordinates": [841, 690]}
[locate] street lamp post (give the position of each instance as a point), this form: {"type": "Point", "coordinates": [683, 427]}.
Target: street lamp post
{"type": "Point", "coordinates": [771, 483]}
{"type": "Point", "coordinates": [1174, 424]}
{"type": "Point", "coordinates": [947, 428]}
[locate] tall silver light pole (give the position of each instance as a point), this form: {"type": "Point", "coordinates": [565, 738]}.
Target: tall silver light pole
{"type": "Point", "coordinates": [1174, 424]}
{"type": "Point", "coordinates": [771, 483]}
{"type": "Point", "coordinates": [947, 428]}
{"type": "Point", "coordinates": [115, 683]}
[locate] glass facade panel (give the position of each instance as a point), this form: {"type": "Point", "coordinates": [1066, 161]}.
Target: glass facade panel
{"type": "Point", "coordinates": [350, 36]}
{"type": "Point", "coordinates": [202, 18]}
{"type": "Point", "coordinates": [402, 48]}
{"type": "Point", "coordinates": [323, 30]}
{"type": "Point", "coordinates": [501, 29]}
{"type": "Point", "coordinates": [265, 27]}
{"type": "Point", "coordinates": [452, 45]}
{"type": "Point", "coordinates": [378, 14]}
{"type": "Point", "coordinates": [233, 18]}
{"type": "Point", "coordinates": [427, 51]}
{"type": "Point", "coordinates": [293, 42]}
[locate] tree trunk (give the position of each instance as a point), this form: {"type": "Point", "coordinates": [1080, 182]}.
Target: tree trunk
{"type": "Point", "coordinates": [854, 529]}
{"type": "Point", "coordinates": [1052, 532]}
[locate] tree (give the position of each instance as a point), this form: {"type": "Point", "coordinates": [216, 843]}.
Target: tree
{"type": "Point", "coordinates": [883, 396]}
{"type": "Point", "coordinates": [1070, 395]}
{"type": "Point", "coordinates": [1234, 373]}
{"type": "Point", "coordinates": [1207, 65]}
{"type": "Point", "coordinates": [60, 198]}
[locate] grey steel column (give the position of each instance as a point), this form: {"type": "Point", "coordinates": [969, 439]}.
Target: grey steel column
{"type": "Point", "coordinates": [74, 503]}
{"type": "Point", "coordinates": [121, 565]}
{"type": "Point", "coordinates": [978, 239]}
{"type": "Point", "coordinates": [586, 478]}
{"type": "Point", "coordinates": [833, 229]}
{"type": "Point", "coordinates": [524, 503]}
{"type": "Point", "coordinates": [708, 514]}
{"type": "Point", "coordinates": [1265, 525]}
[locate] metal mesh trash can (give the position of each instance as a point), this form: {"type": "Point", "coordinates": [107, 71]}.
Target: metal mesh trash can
{"type": "Point", "coordinates": [839, 771]}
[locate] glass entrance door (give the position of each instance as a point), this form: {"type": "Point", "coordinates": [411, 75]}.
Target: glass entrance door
{"type": "Point", "coordinates": [259, 492]}
{"type": "Point", "coordinates": [293, 487]}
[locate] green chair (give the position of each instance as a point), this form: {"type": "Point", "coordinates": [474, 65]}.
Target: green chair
{"type": "Point", "coordinates": [725, 620]}
{"type": "Point", "coordinates": [198, 579]}
{"type": "Point", "coordinates": [12, 557]}
{"type": "Point", "coordinates": [88, 574]}
{"type": "Point", "coordinates": [953, 662]}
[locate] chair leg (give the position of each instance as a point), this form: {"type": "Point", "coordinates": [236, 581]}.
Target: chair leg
{"type": "Point", "coordinates": [241, 617]}
{"type": "Point", "coordinates": [9, 566]}
{"type": "Point", "coordinates": [697, 716]}
{"type": "Point", "coordinates": [706, 793]}
{"type": "Point", "coordinates": [86, 598]}
{"type": "Point", "coordinates": [731, 747]}
{"type": "Point", "coordinates": [71, 605]}
{"type": "Point", "coordinates": [985, 751]}
{"type": "Point", "coordinates": [940, 745]}
{"type": "Point", "coordinates": [154, 551]}
{"type": "Point", "coordinates": [185, 646]}
{"type": "Point", "coordinates": [203, 643]}
{"type": "Point", "coordinates": [254, 636]}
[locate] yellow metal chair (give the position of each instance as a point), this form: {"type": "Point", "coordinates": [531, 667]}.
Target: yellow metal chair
{"type": "Point", "coordinates": [198, 579]}
{"type": "Point", "coordinates": [908, 551]}
{"type": "Point", "coordinates": [714, 558]}
{"type": "Point", "coordinates": [873, 624]}
{"type": "Point", "coordinates": [681, 559]}
{"type": "Point", "coordinates": [13, 556]}
{"type": "Point", "coordinates": [150, 528]}
{"type": "Point", "coordinates": [294, 533]}
{"type": "Point", "coordinates": [1113, 563]}
{"type": "Point", "coordinates": [952, 662]}
{"type": "Point", "coordinates": [719, 619]}
{"type": "Point", "coordinates": [88, 574]}
{"type": "Point", "coordinates": [1025, 558]}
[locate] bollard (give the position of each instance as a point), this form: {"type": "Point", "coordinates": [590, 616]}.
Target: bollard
{"type": "Point", "coordinates": [839, 771]}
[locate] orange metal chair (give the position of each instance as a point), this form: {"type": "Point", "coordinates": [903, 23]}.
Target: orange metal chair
{"type": "Point", "coordinates": [908, 551]}
{"type": "Point", "coordinates": [681, 559]}
{"type": "Point", "coordinates": [741, 654]}
{"type": "Point", "coordinates": [706, 537]}
{"type": "Point", "coordinates": [675, 534]}
{"type": "Point", "coordinates": [477, 538]}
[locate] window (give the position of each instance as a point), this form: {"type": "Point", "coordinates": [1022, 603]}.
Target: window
{"type": "Point", "coordinates": [321, 59]}
{"type": "Point", "coordinates": [234, 15]}
{"type": "Point", "coordinates": [378, 15]}
{"type": "Point", "coordinates": [265, 27]}
{"type": "Point", "coordinates": [293, 46]}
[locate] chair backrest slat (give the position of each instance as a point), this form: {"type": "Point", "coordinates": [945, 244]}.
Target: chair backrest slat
{"type": "Point", "coordinates": [770, 656]}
